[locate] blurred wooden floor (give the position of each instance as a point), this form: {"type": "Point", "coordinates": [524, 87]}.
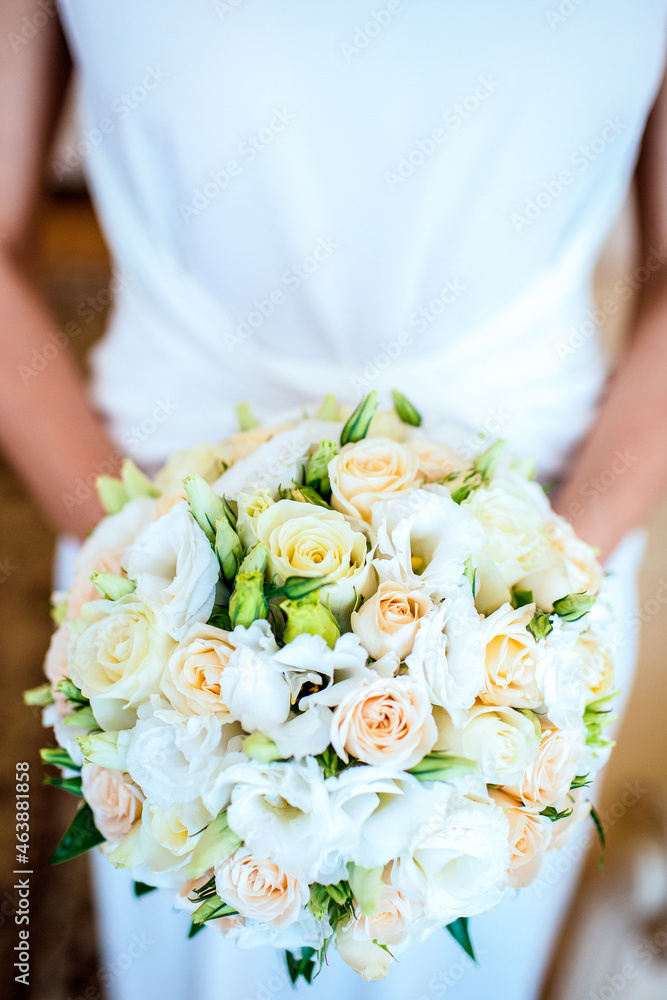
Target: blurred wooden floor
{"type": "Point", "coordinates": [65, 962]}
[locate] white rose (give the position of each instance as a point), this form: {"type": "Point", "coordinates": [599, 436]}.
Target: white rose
{"type": "Point", "coordinates": [259, 889]}
{"type": "Point", "coordinates": [116, 655]}
{"type": "Point", "coordinates": [115, 800]}
{"type": "Point", "coordinates": [529, 838]}
{"type": "Point", "coordinates": [424, 539]}
{"type": "Point", "coordinates": [306, 540]}
{"type": "Point", "coordinates": [569, 567]}
{"type": "Point", "coordinates": [451, 841]}
{"type": "Point", "coordinates": [168, 837]}
{"type": "Point", "coordinates": [178, 760]}
{"type": "Point", "coordinates": [501, 740]}
{"type": "Point", "coordinates": [282, 811]}
{"type": "Point", "coordinates": [448, 654]}
{"type": "Point", "coordinates": [192, 677]}
{"type": "Point", "coordinates": [388, 621]}
{"type": "Point", "coordinates": [560, 676]}
{"type": "Point", "coordinates": [175, 569]}
{"type": "Point", "coordinates": [384, 721]}
{"type": "Point", "coordinates": [511, 658]}
{"type": "Point", "coordinates": [548, 778]}
{"type": "Point", "coordinates": [253, 685]}
{"type": "Point", "coordinates": [561, 829]}
{"type": "Point", "coordinates": [371, 470]}
{"type": "Point", "coordinates": [512, 522]}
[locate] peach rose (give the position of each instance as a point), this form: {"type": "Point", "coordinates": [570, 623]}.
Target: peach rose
{"type": "Point", "coordinates": [437, 460]}
{"type": "Point", "coordinates": [168, 500]}
{"type": "Point", "coordinates": [192, 675]}
{"type": "Point", "coordinates": [511, 657]}
{"type": "Point", "coordinates": [547, 780]}
{"type": "Point", "coordinates": [530, 838]}
{"type": "Point", "coordinates": [392, 921]}
{"type": "Point", "coordinates": [388, 621]}
{"type": "Point", "coordinates": [364, 956]}
{"type": "Point", "coordinates": [260, 890]}
{"type": "Point", "coordinates": [114, 798]}
{"type": "Point", "coordinates": [387, 720]}
{"type": "Point", "coordinates": [371, 470]}
{"type": "Point", "coordinates": [83, 589]}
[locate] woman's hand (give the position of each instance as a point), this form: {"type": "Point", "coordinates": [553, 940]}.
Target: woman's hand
{"type": "Point", "coordinates": [620, 472]}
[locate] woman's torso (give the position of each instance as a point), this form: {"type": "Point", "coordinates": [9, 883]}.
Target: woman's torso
{"type": "Point", "coordinates": [308, 197]}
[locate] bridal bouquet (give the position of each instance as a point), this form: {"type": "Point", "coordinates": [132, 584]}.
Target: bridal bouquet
{"type": "Point", "coordinates": [332, 682]}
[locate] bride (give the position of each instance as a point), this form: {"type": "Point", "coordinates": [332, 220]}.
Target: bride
{"type": "Point", "coordinates": [304, 198]}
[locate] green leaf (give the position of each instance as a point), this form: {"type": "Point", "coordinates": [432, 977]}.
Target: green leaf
{"type": "Point", "coordinates": [485, 464]}
{"type": "Point", "coordinates": [539, 625]}
{"type": "Point", "coordinates": [438, 766]}
{"type": "Point", "coordinates": [554, 815]}
{"type": "Point", "coordinates": [574, 606]}
{"type": "Point", "coordinates": [597, 822]}
{"type": "Point", "coordinates": [330, 762]}
{"type": "Point", "coordinates": [211, 909]}
{"type": "Point", "coordinates": [301, 964]}
{"type": "Point", "coordinates": [141, 889]}
{"type": "Point", "coordinates": [246, 418]}
{"type": "Point", "coordinates": [229, 513]}
{"type": "Point", "coordinates": [463, 492]}
{"type": "Point", "coordinates": [81, 836]}
{"type": "Point", "coordinates": [522, 598]}
{"type": "Point", "coordinates": [195, 929]}
{"type": "Point", "coordinates": [461, 934]}
{"type": "Point", "coordinates": [405, 410]}
{"type": "Point", "coordinates": [71, 785]}
{"type": "Point", "coordinates": [296, 587]}
{"type": "Point", "coordinates": [357, 426]}
{"type": "Point", "coordinates": [220, 618]}
{"type": "Point", "coordinates": [597, 716]}
{"type": "Point", "coordinates": [340, 892]}
{"type": "Point", "coordinates": [58, 757]}
{"type": "Point", "coordinates": [228, 548]}
{"type": "Point", "coordinates": [39, 696]}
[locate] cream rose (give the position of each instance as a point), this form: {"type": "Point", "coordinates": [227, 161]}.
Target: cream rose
{"type": "Point", "coordinates": [388, 621]}
{"type": "Point", "coordinates": [529, 838]}
{"type": "Point", "coordinates": [569, 566]}
{"type": "Point", "coordinates": [260, 890]}
{"type": "Point", "coordinates": [306, 540]}
{"type": "Point", "coordinates": [364, 956]}
{"type": "Point", "coordinates": [511, 659]}
{"type": "Point", "coordinates": [387, 720]}
{"type": "Point", "coordinates": [503, 741]}
{"type": "Point", "coordinates": [114, 798]}
{"type": "Point", "coordinates": [437, 460]}
{"type": "Point", "coordinates": [393, 920]}
{"type": "Point", "coordinates": [548, 778]}
{"type": "Point", "coordinates": [193, 674]}
{"type": "Point", "coordinates": [116, 656]}
{"type": "Point", "coordinates": [597, 665]}
{"type": "Point", "coordinates": [205, 460]}
{"type": "Point", "coordinates": [250, 506]}
{"type": "Point", "coordinates": [371, 470]}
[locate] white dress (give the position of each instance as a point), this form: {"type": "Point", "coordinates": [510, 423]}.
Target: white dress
{"type": "Point", "coordinates": [304, 198]}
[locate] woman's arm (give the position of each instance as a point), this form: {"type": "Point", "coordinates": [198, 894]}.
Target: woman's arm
{"type": "Point", "coordinates": [620, 472]}
{"type": "Point", "coordinates": [47, 427]}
